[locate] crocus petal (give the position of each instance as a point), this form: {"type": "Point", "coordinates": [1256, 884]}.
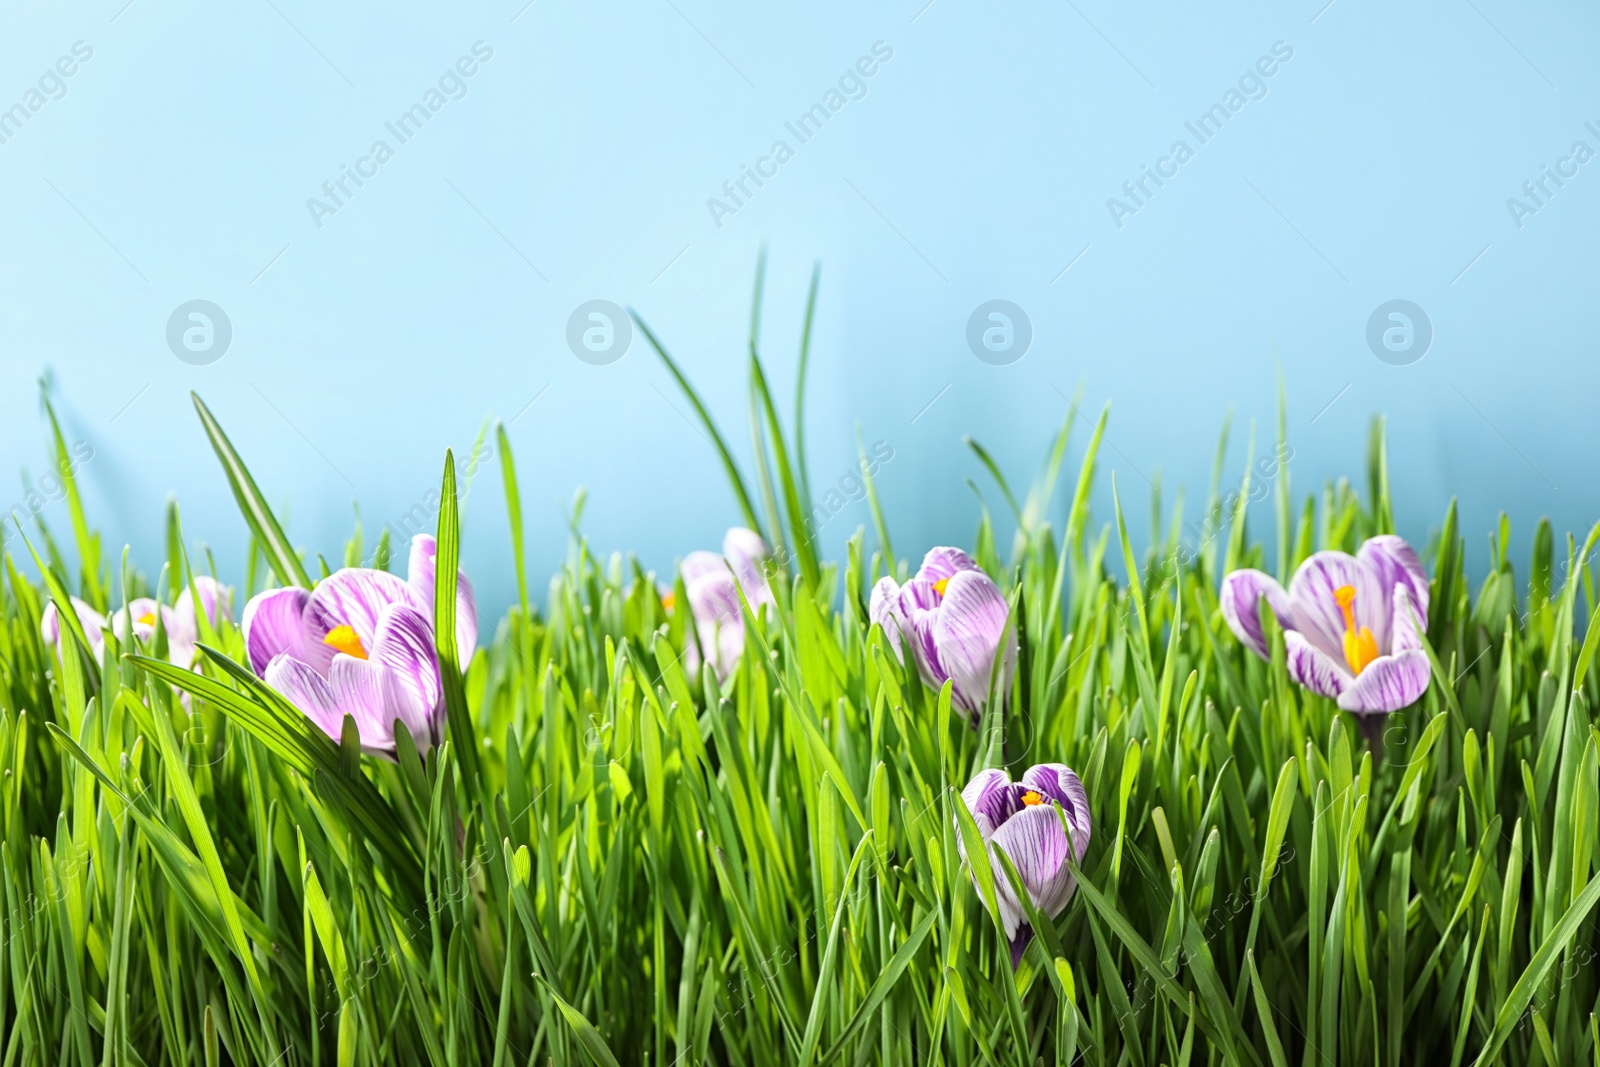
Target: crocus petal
{"type": "Point", "coordinates": [1405, 630]}
{"type": "Point", "coordinates": [413, 693]}
{"type": "Point", "coordinates": [355, 597]}
{"type": "Point", "coordinates": [1058, 782]}
{"type": "Point", "coordinates": [884, 610]}
{"type": "Point", "coordinates": [919, 607]}
{"type": "Point", "coordinates": [967, 633]}
{"type": "Point", "coordinates": [273, 625]}
{"type": "Point", "coordinates": [137, 610]}
{"type": "Point", "coordinates": [1313, 668]}
{"type": "Point", "coordinates": [1037, 847]}
{"type": "Point", "coordinates": [1314, 610]}
{"type": "Point", "coordinates": [93, 623]}
{"type": "Point", "coordinates": [745, 552]}
{"type": "Point", "coordinates": [714, 598]}
{"type": "Point", "coordinates": [1395, 565]}
{"type": "Point", "coordinates": [1241, 599]}
{"type": "Point", "coordinates": [306, 690]}
{"type": "Point", "coordinates": [991, 800]}
{"type": "Point", "coordinates": [728, 641]}
{"type": "Point", "coordinates": [362, 689]}
{"type": "Point", "coordinates": [1389, 683]}
{"type": "Point", "coordinates": [698, 564]}
{"type": "Point", "coordinates": [421, 573]}
{"type": "Point", "coordinates": [942, 563]}
{"type": "Point", "coordinates": [215, 598]}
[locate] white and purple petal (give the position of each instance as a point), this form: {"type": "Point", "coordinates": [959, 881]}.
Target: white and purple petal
{"type": "Point", "coordinates": [1405, 630]}
{"type": "Point", "coordinates": [215, 598]}
{"type": "Point", "coordinates": [1242, 592]}
{"type": "Point", "coordinates": [139, 615]}
{"type": "Point", "coordinates": [884, 610]}
{"type": "Point", "coordinates": [1313, 668]}
{"type": "Point", "coordinates": [309, 691]}
{"type": "Point", "coordinates": [404, 650]}
{"type": "Point", "coordinates": [745, 552]}
{"type": "Point", "coordinates": [1314, 608]}
{"type": "Point", "coordinates": [714, 598]}
{"type": "Point", "coordinates": [274, 624]}
{"type": "Point", "coordinates": [968, 630]}
{"type": "Point", "coordinates": [1388, 683]}
{"type": "Point", "coordinates": [942, 563]}
{"type": "Point", "coordinates": [93, 623]}
{"type": "Point", "coordinates": [1058, 782]}
{"type": "Point", "coordinates": [355, 597]}
{"type": "Point", "coordinates": [362, 688]}
{"type": "Point", "coordinates": [1395, 565]}
{"type": "Point", "coordinates": [1037, 847]}
{"type": "Point", "coordinates": [992, 799]}
{"type": "Point", "coordinates": [420, 576]}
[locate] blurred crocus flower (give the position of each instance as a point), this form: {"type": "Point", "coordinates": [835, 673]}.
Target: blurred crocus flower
{"type": "Point", "coordinates": [712, 583]}
{"type": "Point", "coordinates": [953, 617]}
{"type": "Point", "coordinates": [139, 618]}
{"type": "Point", "coordinates": [1024, 819]}
{"type": "Point", "coordinates": [94, 625]}
{"type": "Point", "coordinates": [181, 621]}
{"type": "Point", "coordinates": [361, 643]}
{"type": "Point", "coordinates": [1352, 624]}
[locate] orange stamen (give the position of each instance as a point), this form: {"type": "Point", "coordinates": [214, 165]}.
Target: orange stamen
{"type": "Point", "coordinates": [938, 587]}
{"type": "Point", "coordinates": [667, 599]}
{"type": "Point", "coordinates": [147, 619]}
{"type": "Point", "coordinates": [344, 639]}
{"type": "Point", "coordinates": [1360, 647]}
{"type": "Point", "coordinates": [1030, 797]}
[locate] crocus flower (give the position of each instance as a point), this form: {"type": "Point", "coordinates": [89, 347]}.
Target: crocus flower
{"type": "Point", "coordinates": [1352, 624]}
{"type": "Point", "coordinates": [181, 621]}
{"type": "Point", "coordinates": [1024, 819]}
{"type": "Point", "coordinates": [712, 583]}
{"type": "Point", "coordinates": [94, 625]}
{"type": "Point", "coordinates": [953, 616]}
{"type": "Point", "coordinates": [361, 643]}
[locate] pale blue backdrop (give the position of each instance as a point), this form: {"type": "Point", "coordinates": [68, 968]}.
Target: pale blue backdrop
{"type": "Point", "coordinates": [1366, 153]}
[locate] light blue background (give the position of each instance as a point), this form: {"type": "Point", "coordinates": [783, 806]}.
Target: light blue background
{"type": "Point", "coordinates": [978, 166]}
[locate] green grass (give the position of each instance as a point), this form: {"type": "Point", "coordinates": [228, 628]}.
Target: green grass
{"type": "Point", "coordinates": [610, 861]}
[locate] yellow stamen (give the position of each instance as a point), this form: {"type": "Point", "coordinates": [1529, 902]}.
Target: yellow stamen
{"type": "Point", "coordinates": [1360, 647]}
{"type": "Point", "coordinates": [938, 587]}
{"type": "Point", "coordinates": [147, 619]}
{"type": "Point", "coordinates": [344, 639]}
{"type": "Point", "coordinates": [667, 599]}
{"type": "Point", "coordinates": [1030, 797]}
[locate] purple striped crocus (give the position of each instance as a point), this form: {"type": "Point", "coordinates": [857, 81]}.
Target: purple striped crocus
{"type": "Point", "coordinates": [1025, 820]}
{"type": "Point", "coordinates": [712, 584]}
{"type": "Point", "coordinates": [953, 617]}
{"type": "Point", "coordinates": [93, 623]}
{"type": "Point", "coordinates": [361, 643]}
{"type": "Point", "coordinates": [181, 620]}
{"type": "Point", "coordinates": [1352, 625]}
